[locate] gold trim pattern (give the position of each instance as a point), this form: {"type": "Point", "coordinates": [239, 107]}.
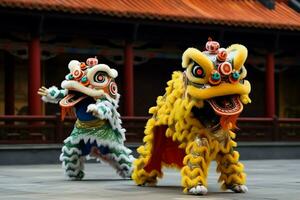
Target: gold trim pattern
{"type": "Point", "coordinates": [90, 124]}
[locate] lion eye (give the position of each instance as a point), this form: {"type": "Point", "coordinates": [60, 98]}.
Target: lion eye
{"type": "Point", "coordinates": [99, 77]}
{"type": "Point", "coordinates": [198, 71]}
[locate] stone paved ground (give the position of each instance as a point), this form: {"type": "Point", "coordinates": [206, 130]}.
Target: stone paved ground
{"type": "Point", "coordinates": [267, 179]}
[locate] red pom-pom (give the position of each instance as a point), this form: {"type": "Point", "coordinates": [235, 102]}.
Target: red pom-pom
{"type": "Point", "coordinates": [92, 61]}
{"type": "Point", "coordinates": [225, 68]}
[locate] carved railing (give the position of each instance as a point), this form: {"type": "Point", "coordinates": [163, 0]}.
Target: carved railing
{"type": "Point", "coordinates": [50, 129]}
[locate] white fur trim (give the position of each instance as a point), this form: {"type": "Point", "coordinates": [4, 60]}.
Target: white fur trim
{"type": "Point", "coordinates": [63, 158]}
{"type": "Point", "coordinates": [129, 158]}
{"type": "Point", "coordinates": [72, 170]}
{"type": "Point", "coordinates": [124, 170]}
{"type": "Point", "coordinates": [100, 142]}
{"type": "Point", "coordinates": [72, 173]}
{"type": "Point", "coordinates": [105, 109]}
{"type": "Point", "coordinates": [71, 150]}
{"type": "Point", "coordinates": [71, 165]}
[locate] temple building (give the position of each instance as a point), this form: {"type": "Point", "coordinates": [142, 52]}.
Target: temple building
{"type": "Point", "coordinates": [144, 41]}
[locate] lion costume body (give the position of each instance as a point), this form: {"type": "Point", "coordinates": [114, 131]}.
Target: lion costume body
{"type": "Point", "coordinates": [91, 91]}
{"type": "Point", "coordinates": [192, 123]}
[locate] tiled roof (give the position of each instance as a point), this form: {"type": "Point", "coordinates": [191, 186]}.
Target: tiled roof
{"type": "Point", "coordinates": [247, 13]}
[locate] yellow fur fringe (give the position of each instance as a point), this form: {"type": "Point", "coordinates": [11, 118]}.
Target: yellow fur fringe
{"type": "Point", "coordinates": [174, 110]}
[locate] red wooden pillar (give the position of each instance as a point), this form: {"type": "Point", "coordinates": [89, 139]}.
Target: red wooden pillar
{"type": "Point", "coordinates": [128, 80]}
{"type": "Point", "coordinates": [9, 84]}
{"type": "Point", "coordinates": [34, 77]}
{"type": "Point", "coordinates": [270, 86]}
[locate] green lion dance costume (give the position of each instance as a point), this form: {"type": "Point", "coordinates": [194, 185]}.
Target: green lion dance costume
{"type": "Point", "coordinates": [192, 123]}
{"type": "Point", "coordinates": [91, 89]}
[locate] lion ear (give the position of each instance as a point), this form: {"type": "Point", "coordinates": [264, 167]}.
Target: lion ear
{"type": "Point", "coordinates": [237, 53]}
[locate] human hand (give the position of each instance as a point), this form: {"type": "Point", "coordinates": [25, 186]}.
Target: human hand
{"type": "Point", "coordinates": [43, 91]}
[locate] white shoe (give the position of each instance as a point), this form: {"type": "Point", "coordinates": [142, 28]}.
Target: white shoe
{"type": "Point", "coordinates": [198, 190]}
{"type": "Point", "coordinates": [239, 188]}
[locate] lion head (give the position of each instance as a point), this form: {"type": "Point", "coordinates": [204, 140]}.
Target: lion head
{"type": "Point", "coordinates": [89, 80]}
{"type": "Point", "coordinates": [216, 77]}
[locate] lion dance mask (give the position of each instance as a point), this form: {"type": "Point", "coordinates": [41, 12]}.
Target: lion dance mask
{"type": "Point", "coordinates": [91, 89]}
{"type": "Point", "coordinates": [192, 123]}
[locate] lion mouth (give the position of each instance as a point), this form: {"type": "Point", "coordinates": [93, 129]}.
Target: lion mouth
{"type": "Point", "coordinates": [226, 105]}
{"type": "Point", "coordinates": [217, 110]}
{"type": "Point", "coordinates": [207, 116]}
{"type": "Point", "coordinates": [72, 99]}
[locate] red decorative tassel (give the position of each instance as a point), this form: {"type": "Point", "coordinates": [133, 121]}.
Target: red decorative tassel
{"type": "Point", "coordinates": [229, 122]}
{"type": "Point", "coordinates": [66, 111]}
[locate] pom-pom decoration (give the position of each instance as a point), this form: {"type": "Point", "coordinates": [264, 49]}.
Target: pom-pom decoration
{"type": "Point", "coordinates": [92, 61]}
{"type": "Point", "coordinates": [234, 77]}
{"type": "Point", "coordinates": [69, 77]}
{"type": "Point", "coordinates": [212, 46]}
{"type": "Point", "coordinates": [77, 74]}
{"type": "Point", "coordinates": [83, 66]}
{"type": "Point", "coordinates": [222, 55]}
{"type": "Point", "coordinates": [85, 81]}
{"type": "Point", "coordinates": [215, 78]}
{"type": "Point", "coordinates": [225, 68]}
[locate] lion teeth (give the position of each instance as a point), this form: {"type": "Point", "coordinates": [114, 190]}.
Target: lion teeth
{"type": "Point", "coordinates": [204, 86]}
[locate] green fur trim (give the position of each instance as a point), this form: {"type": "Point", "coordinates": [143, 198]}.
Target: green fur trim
{"type": "Point", "coordinates": [105, 133]}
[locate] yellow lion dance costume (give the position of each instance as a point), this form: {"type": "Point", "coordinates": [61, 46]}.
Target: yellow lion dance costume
{"type": "Point", "coordinates": [192, 123]}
